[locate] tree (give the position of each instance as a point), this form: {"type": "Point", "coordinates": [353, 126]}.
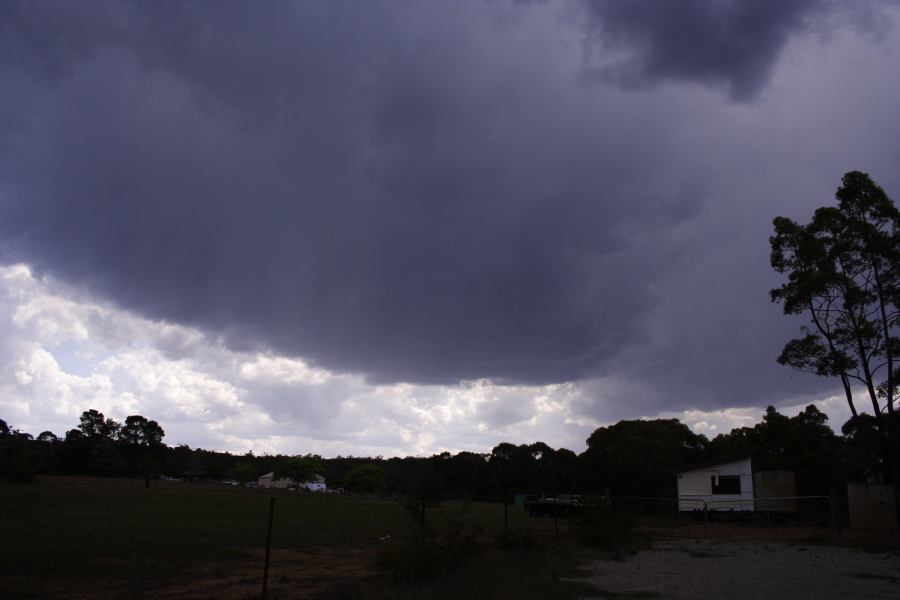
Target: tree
{"type": "Point", "coordinates": [140, 431]}
{"type": "Point", "coordinates": [861, 445]}
{"type": "Point", "coordinates": [140, 441]}
{"type": "Point", "coordinates": [803, 444]}
{"type": "Point", "coordinates": [243, 472]}
{"type": "Point", "coordinates": [300, 468]}
{"type": "Point", "coordinates": [97, 427]}
{"type": "Point", "coordinates": [639, 458]}
{"type": "Point", "coordinates": [106, 460]}
{"type": "Point", "coordinates": [47, 436]}
{"type": "Point", "coordinates": [367, 478]}
{"type": "Point", "coordinates": [16, 456]}
{"type": "Point", "coordinates": [843, 272]}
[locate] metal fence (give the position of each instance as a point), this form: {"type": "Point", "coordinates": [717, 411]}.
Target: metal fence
{"type": "Point", "coordinates": [782, 517]}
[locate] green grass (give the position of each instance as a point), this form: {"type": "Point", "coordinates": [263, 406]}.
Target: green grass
{"type": "Point", "coordinates": [93, 534]}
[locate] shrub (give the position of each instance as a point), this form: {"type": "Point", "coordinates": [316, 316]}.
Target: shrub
{"type": "Point", "coordinates": [428, 552]}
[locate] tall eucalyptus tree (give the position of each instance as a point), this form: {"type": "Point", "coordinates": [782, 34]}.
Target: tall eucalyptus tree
{"type": "Point", "coordinates": [842, 272]}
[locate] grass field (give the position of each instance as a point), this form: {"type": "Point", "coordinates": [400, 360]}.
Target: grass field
{"type": "Point", "coordinates": [74, 537]}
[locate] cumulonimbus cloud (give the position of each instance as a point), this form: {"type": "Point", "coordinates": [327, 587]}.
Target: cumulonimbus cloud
{"type": "Point", "coordinates": [377, 190]}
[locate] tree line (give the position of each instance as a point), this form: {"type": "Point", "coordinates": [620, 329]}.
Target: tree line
{"type": "Point", "coordinates": [631, 457]}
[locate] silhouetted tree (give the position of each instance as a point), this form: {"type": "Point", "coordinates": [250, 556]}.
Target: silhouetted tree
{"type": "Point", "coordinates": [97, 427]}
{"type": "Point", "coordinates": [107, 460]}
{"type": "Point", "coordinates": [803, 444]}
{"type": "Point", "coordinates": [843, 272]}
{"type": "Point", "coordinates": [16, 456]}
{"type": "Point", "coordinates": [640, 458]}
{"type": "Point", "coordinates": [466, 474]}
{"type": "Point", "coordinates": [47, 436]}
{"type": "Point", "coordinates": [140, 431]}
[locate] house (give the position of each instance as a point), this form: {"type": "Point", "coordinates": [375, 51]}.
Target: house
{"type": "Point", "coordinates": [268, 481]}
{"type": "Point", "coordinates": [718, 485]}
{"type": "Point", "coordinates": [316, 484]}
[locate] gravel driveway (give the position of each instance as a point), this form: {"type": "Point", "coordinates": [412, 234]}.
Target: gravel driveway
{"type": "Point", "coordinates": [695, 569]}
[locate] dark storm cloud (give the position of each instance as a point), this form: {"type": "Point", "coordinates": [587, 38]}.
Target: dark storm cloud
{"type": "Point", "coordinates": [732, 44]}
{"type": "Point", "coordinates": [424, 191]}
{"type": "Point", "coordinates": [376, 194]}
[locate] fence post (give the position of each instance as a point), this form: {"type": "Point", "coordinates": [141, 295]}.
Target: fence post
{"type": "Point", "coordinates": [705, 519]}
{"type": "Point", "coordinates": [265, 583]}
{"type": "Point", "coordinates": [834, 522]}
{"type": "Point", "coordinates": [505, 516]}
{"type": "Point", "coordinates": [423, 516]}
{"type": "Point", "coordinates": [673, 510]}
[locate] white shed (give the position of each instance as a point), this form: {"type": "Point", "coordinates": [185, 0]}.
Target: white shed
{"type": "Point", "coordinates": [722, 485]}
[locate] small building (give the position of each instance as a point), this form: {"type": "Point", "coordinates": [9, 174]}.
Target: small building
{"type": "Point", "coordinates": [268, 481]}
{"type": "Point", "coordinates": [718, 485]}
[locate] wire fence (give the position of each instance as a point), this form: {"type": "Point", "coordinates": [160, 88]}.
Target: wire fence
{"type": "Point", "coordinates": [782, 517]}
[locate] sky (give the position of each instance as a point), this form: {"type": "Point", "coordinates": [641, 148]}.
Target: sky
{"type": "Point", "coordinates": [394, 228]}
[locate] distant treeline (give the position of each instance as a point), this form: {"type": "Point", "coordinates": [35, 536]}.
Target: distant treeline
{"type": "Point", "coordinates": [629, 458]}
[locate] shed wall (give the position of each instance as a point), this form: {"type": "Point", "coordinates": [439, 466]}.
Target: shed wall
{"type": "Point", "coordinates": [695, 488]}
{"type": "Point", "coordinates": [775, 484]}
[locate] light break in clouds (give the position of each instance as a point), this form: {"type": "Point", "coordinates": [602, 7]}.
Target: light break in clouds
{"type": "Point", "coordinates": [62, 353]}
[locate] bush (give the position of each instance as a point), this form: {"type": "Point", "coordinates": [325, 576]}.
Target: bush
{"type": "Point", "coordinates": [428, 552]}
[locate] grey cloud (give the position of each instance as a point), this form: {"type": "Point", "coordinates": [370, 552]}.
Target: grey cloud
{"type": "Point", "coordinates": [732, 44]}
{"type": "Point", "coordinates": [377, 195]}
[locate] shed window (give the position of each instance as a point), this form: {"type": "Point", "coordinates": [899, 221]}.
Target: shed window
{"type": "Point", "coordinates": [726, 484]}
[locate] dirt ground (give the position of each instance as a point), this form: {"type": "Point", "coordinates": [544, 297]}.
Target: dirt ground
{"type": "Point", "coordinates": [680, 569]}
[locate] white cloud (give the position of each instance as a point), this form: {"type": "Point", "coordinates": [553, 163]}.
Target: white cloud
{"type": "Point", "coordinates": [62, 353]}
{"type": "Point", "coordinates": [65, 353]}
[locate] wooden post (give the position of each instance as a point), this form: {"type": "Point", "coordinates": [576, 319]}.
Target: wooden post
{"type": "Point", "coordinates": [556, 523]}
{"type": "Point", "coordinates": [705, 520]}
{"type": "Point", "coordinates": [835, 526]}
{"type": "Point", "coordinates": [265, 583]}
{"type": "Point", "coordinates": [505, 516]}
